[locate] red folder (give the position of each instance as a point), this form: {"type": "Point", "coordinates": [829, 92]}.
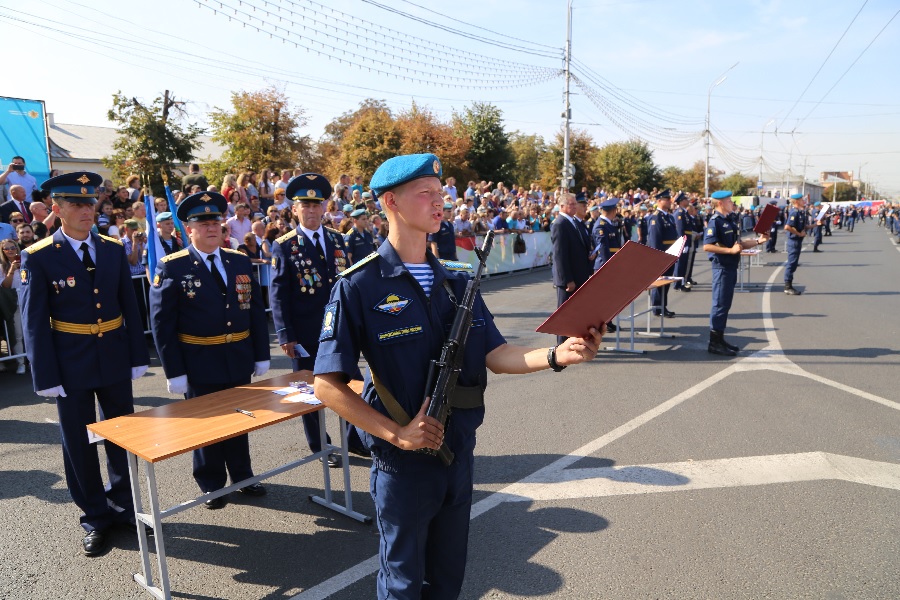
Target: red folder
{"type": "Point", "coordinates": [620, 280]}
{"type": "Point", "coordinates": [768, 216]}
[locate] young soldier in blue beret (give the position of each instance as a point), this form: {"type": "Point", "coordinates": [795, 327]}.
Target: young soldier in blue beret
{"type": "Point", "coordinates": [394, 307]}
{"type": "Point", "coordinates": [443, 241]}
{"type": "Point", "coordinates": [796, 227]}
{"type": "Point", "coordinates": [210, 327]}
{"type": "Point", "coordinates": [682, 228]}
{"type": "Point", "coordinates": [606, 236]}
{"type": "Point", "coordinates": [724, 245]}
{"type": "Point", "coordinates": [360, 241]}
{"type": "Point", "coordinates": [662, 233]}
{"type": "Point", "coordinates": [85, 341]}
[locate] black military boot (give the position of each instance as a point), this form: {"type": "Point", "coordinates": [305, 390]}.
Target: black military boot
{"type": "Point", "coordinates": [790, 291]}
{"type": "Point", "coordinates": [725, 343]}
{"type": "Point", "coordinates": [717, 345]}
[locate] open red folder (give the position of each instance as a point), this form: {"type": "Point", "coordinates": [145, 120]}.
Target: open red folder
{"type": "Point", "coordinates": [768, 216]}
{"type": "Point", "coordinates": [620, 280]}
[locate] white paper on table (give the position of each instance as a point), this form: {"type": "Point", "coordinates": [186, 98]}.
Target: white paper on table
{"type": "Point", "coordinates": [305, 398]}
{"type": "Point", "coordinates": [677, 246]}
{"type": "Point", "coordinates": [301, 351]}
{"type": "Point", "coordinates": [93, 438]}
{"type": "Point", "coordinates": [286, 391]}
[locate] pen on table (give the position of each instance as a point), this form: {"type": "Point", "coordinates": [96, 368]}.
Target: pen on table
{"type": "Point", "coordinates": [245, 412]}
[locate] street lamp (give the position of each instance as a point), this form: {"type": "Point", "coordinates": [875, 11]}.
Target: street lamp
{"type": "Point", "coordinates": [721, 78]}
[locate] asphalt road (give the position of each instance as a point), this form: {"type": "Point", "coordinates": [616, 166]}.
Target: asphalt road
{"type": "Point", "coordinates": [669, 474]}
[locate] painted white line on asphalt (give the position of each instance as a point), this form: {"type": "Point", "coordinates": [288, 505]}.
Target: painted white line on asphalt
{"type": "Point", "coordinates": [707, 474]}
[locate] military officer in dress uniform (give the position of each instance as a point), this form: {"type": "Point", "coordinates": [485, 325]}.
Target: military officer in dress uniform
{"type": "Point", "coordinates": [607, 239]}
{"type": "Point", "coordinates": [305, 265]}
{"type": "Point", "coordinates": [696, 237]}
{"type": "Point", "coordinates": [360, 242]}
{"type": "Point", "coordinates": [662, 233]}
{"type": "Point", "coordinates": [85, 341]}
{"type": "Point", "coordinates": [394, 307]}
{"type": "Point", "coordinates": [683, 227]}
{"type": "Point", "coordinates": [210, 328]}
{"type": "Point", "coordinates": [796, 227]}
{"type": "Point", "coordinates": [818, 228]}
{"type": "Point", "coordinates": [724, 245]}
{"type": "Point", "coordinates": [773, 231]}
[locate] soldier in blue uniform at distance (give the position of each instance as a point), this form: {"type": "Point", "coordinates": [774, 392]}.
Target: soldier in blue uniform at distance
{"type": "Point", "coordinates": [211, 332]}
{"type": "Point", "coordinates": [818, 228]}
{"type": "Point", "coordinates": [773, 231]}
{"type": "Point", "coordinates": [85, 341]}
{"type": "Point", "coordinates": [443, 241]}
{"type": "Point", "coordinates": [662, 233]}
{"type": "Point", "coordinates": [796, 227]}
{"type": "Point", "coordinates": [360, 241]}
{"type": "Point", "coordinates": [683, 227]}
{"type": "Point", "coordinates": [394, 307]}
{"type": "Point", "coordinates": [724, 245]}
{"type": "Point", "coordinates": [607, 238]}
{"type": "Point", "coordinates": [306, 263]}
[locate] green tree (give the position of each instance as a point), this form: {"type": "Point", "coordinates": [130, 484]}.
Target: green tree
{"type": "Point", "coordinates": [737, 183]}
{"type": "Point", "coordinates": [581, 154]}
{"type": "Point", "coordinates": [150, 138]}
{"type": "Point", "coordinates": [489, 153]}
{"type": "Point", "coordinates": [625, 165]}
{"type": "Point", "coordinates": [372, 138]}
{"type": "Point", "coordinates": [527, 151]}
{"type": "Point", "coordinates": [330, 144]}
{"type": "Point", "coordinates": [688, 180]}
{"type": "Point", "coordinates": [421, 132]}
{"type": "Point", "coordinates": [262, 130]}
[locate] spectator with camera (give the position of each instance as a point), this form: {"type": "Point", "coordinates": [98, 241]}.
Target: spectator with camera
{"type": "Point", "coordinates": [10, 317]}
{"type": "Point", "coordinates": [15, 174]}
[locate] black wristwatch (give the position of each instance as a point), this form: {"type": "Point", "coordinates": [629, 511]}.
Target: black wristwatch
{"type": "Point", "coordinates": [551, 360]}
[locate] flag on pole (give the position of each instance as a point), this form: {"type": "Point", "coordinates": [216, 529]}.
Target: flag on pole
{"type": "Point", "coordinates": [154, 245]}
{"type": "Point", "coordinates": [185, 241]}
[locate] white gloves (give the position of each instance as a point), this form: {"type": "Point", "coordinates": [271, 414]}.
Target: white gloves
{"type": "Point", "coordinates": [260, 368]}
{"type": "Point", "coordinates": [53, 392]}
{"type": "Point", "coordinates": [177, 385]}
{"type": "Point", "coordinates": [138, 372]}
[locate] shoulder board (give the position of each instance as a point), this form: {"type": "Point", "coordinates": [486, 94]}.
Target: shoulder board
{"type": "Point", "coordinates": [455, 265]}
{"type": "Point", "coordinates": [230, 251]}
{"type": "Point", "coordinates": [357, 265]}
{"type": "Point", "coordinates": [39, 245]}
{"type": "Point", "coordinates": [334, 231]}
{"type": "Point", "coordinates": [287, 236]}
{"type": "Point", "coordinates": [174, 255]}
{"type": "Point", "coordinates": [111, 239]}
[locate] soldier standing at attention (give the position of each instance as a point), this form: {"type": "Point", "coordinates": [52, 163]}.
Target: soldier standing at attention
{"type": "Point", "coordinates": [393, 308]}
{"type": "Point", "coordinates": [443, 241]}
{"type": "Point", "coordinates": [683, 227]}
{"type": "Point", "coordinates": [724, 245]}
{"type": "Point", "coordinates": [306, 263]}
{"type": "Point", "coordinates": [796, 227]}
{"type": "Point", "coordinates": [360, 241]}
{"type": "Point", "coordinates": [210, 328]}
{"type": "Point", "coordinates": [662, 233]}
{"type": "Point", "coordinates": [85, 341]}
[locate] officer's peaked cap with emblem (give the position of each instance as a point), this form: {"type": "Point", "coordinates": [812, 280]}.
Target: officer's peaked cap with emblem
{"type": "Point", "coordinates": [402, 169]}
{"type": "Point", "coordinates": [666, 193]}
{"type": "Point", "coordinates": [308, 187]}
{"type": "Point", "coordinates": [720, 195]}
{"type": "Point", "coordinates": [80, 187]}
{"type": "Point", "coordinates": [609, 204]}
{"type": "Point", "coordinates": [202, 206]}
{"type": "Point", "coordinates": [680, 196]}
{"type": "Point", "coordinates": [796, 196]}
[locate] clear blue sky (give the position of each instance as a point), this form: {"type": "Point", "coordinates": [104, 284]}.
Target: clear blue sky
{"type": "Point", "coordinates": [646, 66]}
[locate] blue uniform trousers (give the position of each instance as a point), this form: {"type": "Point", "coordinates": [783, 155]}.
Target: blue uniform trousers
{"type": "Point", "coordinates": [723, 281]}
{"type": "Point", "coordinates": [659, 297]}
{"type": "Point", "coordinates": [417, 501]}
{"type": "Point", "coordinates": [793, 259]}
{"type": "Point", "coordinates": [817, 236]}
{"type": "Point", "coordinates": [681, 267]}
{"type": "Point", "coordinates": [210, 463]}
{"type": "Point", "coordinates": [770, 245]}
{"type": "Point", "coordinates": [102, 505]}
{"type": "Point", "coordinates": [311, 421]}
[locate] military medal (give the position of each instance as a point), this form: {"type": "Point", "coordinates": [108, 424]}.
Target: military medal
{"type": "Point", "coordinates": [70, 281]}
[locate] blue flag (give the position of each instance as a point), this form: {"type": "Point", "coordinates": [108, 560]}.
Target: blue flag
{"type": "Point", "coordinates": [154, 245]}
{"type": "Point", "coordinates": [185, 240]}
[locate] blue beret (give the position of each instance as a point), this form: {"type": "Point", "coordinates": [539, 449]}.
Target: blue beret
{"type": "Point", "coordinates": [308, 187]}
{"type": "Point", "coordinates": [347, 208]}
{"type": "Point", "coordinates": [609, 204]}
{"type": "Point", "coordinates": [680, 196]}
{"type": "Point", "coordinates": [448, 206]}
{"type": "Point", "coordinates": [202, 206]}
{"type": "Point", "coordinates": [796, 196]}
{"type": "Point", "coordinates": [79, 187]}
{"type": "Point", "coordinates": [721, 195]}
{"type": "Point", "coordinates": [359, 212]}
{"type": "Point", "coordinates": [163, 216]}
{"type": "Point", "coordinates": [593, 208]}
{"type": "Point", "coordinates": [817, 204]}
{"type": "Point", "coordinates": [367, 195]}
{"type": "Point", "coordinates": [402, 169]}
{"type": "Point", "coordinates": [666, 193]}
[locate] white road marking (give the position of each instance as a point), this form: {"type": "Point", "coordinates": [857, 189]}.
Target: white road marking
{"type": "Point", "coordinates": [771, 357]}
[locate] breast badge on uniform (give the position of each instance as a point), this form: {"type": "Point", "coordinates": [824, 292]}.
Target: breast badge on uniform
{"type": "Point", "coordinates": [328, 320]}
{"type": "Point", "coordinates": [188, 283]}
{"type": "Point", "coordinates": [392, 304]}
{"type": "Point", "coordinates": [709, 231]}
{"type": "Point", "coordinates": [70, 281]}
{"type": "Point", "coordinates": [243, 288]}
{"type": "Point", "coordinates": [156, 280]}
{"type": "Point", "coordinates": [387, 336]}
{"type": "Point", "coordinates": [24, 275]}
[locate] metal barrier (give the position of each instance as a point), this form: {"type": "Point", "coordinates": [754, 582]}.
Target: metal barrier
{"type": "Point", "coordinates": [9, 343]}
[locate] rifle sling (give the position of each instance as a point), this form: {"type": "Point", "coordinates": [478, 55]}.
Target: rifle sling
{"type": "Point", "coordinates": [463, 397]}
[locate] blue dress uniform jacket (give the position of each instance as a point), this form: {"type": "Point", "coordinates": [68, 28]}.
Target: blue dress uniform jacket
{"type": "Point", "coordinates": [607, 239]}
{"type": "Point", "coordinates": [445, 238]}
{"type": "Point", "coordinates": [682, 227]}
{"type": "Point", "coordinates": [661, 233]}
{"type": "Point", "coordinates": [797, 219]}
{"type": "Point", "coordinates": [85, 335]}
{"type": "Point", "coordinates": [379, 310]}
{"type": "Point", "coordinates": [360, 245]}
{"type": "Point", "coordinates": [188, 314]}
{"type": "Point", "coordinates": [722, 232]}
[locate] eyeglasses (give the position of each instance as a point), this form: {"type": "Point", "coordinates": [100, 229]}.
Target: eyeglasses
{"type": "Point", "coordinates": [17, 220]}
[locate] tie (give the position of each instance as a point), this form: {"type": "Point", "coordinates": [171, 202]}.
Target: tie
{"type": "Point", "coordinates": [215, 273]}
{"type": "Point", "coordinates": [86, 259]}
{"type": "Point", "coordinates": [319, 245]}
{"type": "Point", "coordinates": [24, 212]}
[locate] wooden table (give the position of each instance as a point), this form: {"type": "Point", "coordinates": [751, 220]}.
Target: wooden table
{"type": "Point", "coordinates": [160, 433]}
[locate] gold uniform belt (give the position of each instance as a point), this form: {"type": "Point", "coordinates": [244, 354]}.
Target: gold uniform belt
{"type": "Point", "coordinates": [614, 249]}
{"type": "Point", "coordinates": [214, 339]}
{"type": "Point", "coordinates": [98, 328]}
{"type": "Point", "coordinates": [669, 243]}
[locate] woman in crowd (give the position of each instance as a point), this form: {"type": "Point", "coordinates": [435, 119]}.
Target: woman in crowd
{"type": "Point", "coordinates": [272, 233]}
{"type": "Point", "coordinates": [331, 209]}
{"type": "Point", "coordinates": [266, 189]}
{"type": "Point", "coordinates": [116, 223]}
{"type": "Point", "coordinates": [252, 249]}
{"type": "Point", "coordinates": [234, 198]}
{"type": "Point", "coordinates": [229, 184]}
{"type": "Point", "coordinates": [10, 316]}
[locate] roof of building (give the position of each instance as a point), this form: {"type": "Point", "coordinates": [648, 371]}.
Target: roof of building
{"type": "Point", "coordinates": [87, 142]}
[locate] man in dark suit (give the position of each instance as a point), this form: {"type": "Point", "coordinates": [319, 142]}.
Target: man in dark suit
{"type": "Point", "coordinates": [85, 341]}
{"type": "Point", "coordinates": [210, 328]}
{"type": "Point", "coordinates": [571, 249]}
{"type": "Point", "coordinates": [306, 263]}
{"type": "Point", "coordinates": [194, 178]}
{"type": "Point", "coordinates": [16, 204]}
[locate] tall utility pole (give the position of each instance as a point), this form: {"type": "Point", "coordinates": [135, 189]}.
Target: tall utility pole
{"type": "Point", "coordinates": [760, 181]}
{"type": "Point", "coordinates": [859, 179]}
{"type": "Point", "coordinates": [567, 171]}
{"type": "Point", "coordinates": [721, 78]}
{"type": "Point", "coordinates": [803, 185]}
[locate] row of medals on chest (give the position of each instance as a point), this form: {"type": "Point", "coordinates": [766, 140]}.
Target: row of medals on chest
{"type": "Point", "coordinates": [308, 275]}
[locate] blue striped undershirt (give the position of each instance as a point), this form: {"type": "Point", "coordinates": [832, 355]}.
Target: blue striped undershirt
{"type": "Point", "coordinates": [423, 274]}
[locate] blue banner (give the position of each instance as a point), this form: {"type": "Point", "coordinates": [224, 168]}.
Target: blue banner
{"type": "Point", "coordinates": [22, 133]}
